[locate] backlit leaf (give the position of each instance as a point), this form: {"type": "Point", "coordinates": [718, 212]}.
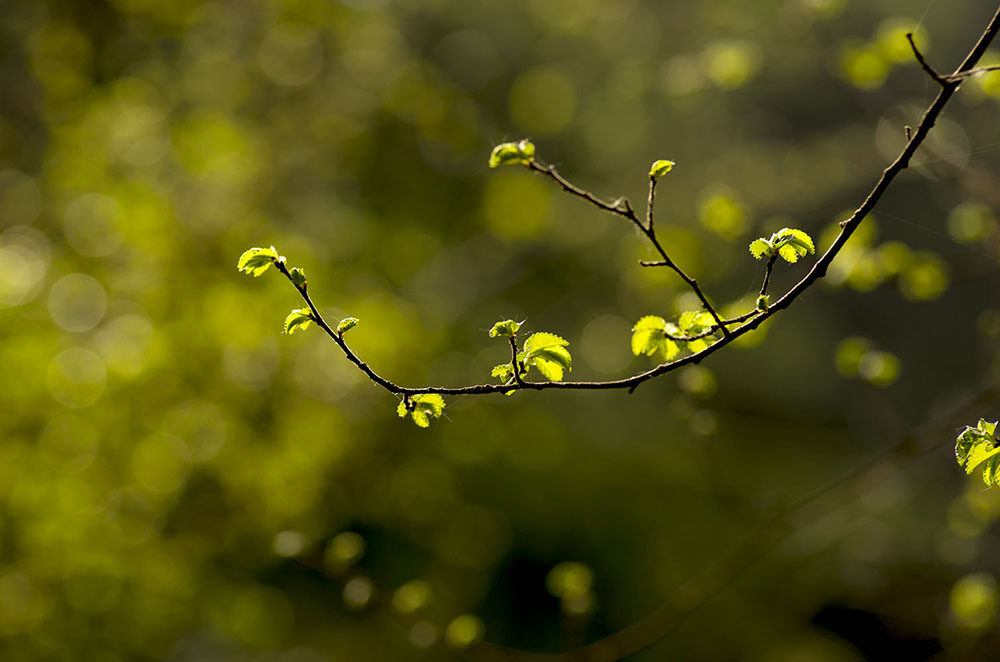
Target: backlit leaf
{"type": "Point", "coordinates": [257, 260]}
{"type": "Point", "coordinates": [505, 329]}
{"type": "Point", "coordinates": [760, 248]}
{"type": "Point", "coordinates": [298, 320]}
{"type": "Point", "coordinates": [660, 168]}
{"type": "Point", "coordinates": [347, 324]}
{"type": "Point", "coordinates": [298, 277]}
{"type": "Point", "coordinates": [520, 152]}
{"type": "Point", "coordinates": [542, 340]}
{"type": "Point", "coordinates": [978, 446]}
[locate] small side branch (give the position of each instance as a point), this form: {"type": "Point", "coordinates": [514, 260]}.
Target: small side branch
{"type": "Point", "coordinates": [767, 274]}
{"type": "Point", "coordinates": [621, 207]}
{"type": "Point", "coordinates": [962, 75]}
{"type": "Point", "coordinates": [938, 78]}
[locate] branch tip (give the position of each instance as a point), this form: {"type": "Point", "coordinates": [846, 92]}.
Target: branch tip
{"type": "Point", "coordinates": [938, 78]}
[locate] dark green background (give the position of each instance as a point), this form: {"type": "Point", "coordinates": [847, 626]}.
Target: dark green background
{"type": "Point", "coordinates": [172, 468]}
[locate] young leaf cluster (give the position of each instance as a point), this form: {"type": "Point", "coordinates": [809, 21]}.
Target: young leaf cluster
{"type": "Point", "coordinates": [422, 408]}
{"type": "Point", "coordinates": [656, 337]}
{"type": "Point", "coordinates": [545, 352]}
{"type": "Point", "coordinates": [789, 243]}
{"type": "Point", "coordinates": [505, 329]}
{"type": "Point", "coordinates": [980, 446]}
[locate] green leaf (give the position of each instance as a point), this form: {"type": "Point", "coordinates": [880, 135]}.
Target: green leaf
{"type": "Point", "coordinates": [792, 244]}
{"type": "Point", "coordinates": [505, 329]}
{"type": "Point", "coordinates": [548, 354]}
{"type": "Point", "coordinates": [504, 371]}
{"type": "Point", "coordinates": [761, 248]}
{"type": "Point", "coordinates": [520, 152]}
{"type": "Point", "coordinates": [541, 340]}
{"type": "Point", "coordinates": [789, 254]}
{"type": "Point", "coordinates": [257, 260]}
{"type": "Point", "coordinates": [421, 418]}
{"type": "Point", "coordinates": [660, 168]}
{"type": "Point", "coordinates": [647, 335]}
{"type": "Point", "coordinates": [550, 370]}
{"type": "Point", "coordinates": [668, 349]}
{"type": "Point", "coordinates": [696, 346]}
{"type": "Point", "coordinates": [762, 302]}
{"type": "Point", "coordinates": [298, 277]}
{"type": "Point", "coordinates": [425, 406]}
{"type": "Point", "coordinates": [693, 322]}
{"type": "Point", "coordinates": [977, 446]}
{"type": "Point", "coordinates": [560, 355]}
{"type": "Point", "coordinates": [798, 238]}
{"type": "Point", "coordinates": [347, 324]}
{"type": "Point", "coordinates": [431, 402]}
{"type": "Point", "coordinates": [298, 320]}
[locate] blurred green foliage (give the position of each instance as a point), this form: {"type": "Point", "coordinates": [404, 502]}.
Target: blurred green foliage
{"type": "Point", "coordinates": [179, 480]}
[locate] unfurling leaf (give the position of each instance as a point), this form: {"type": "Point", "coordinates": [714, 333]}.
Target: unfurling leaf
{"type": "Point", "coordinates": [425, 406]}
{"type": "Point", "coordinates": [298, 277]}
{"type": "Point", "coordinates": [347, 324]}
{"type": "Point", "coordinates": [505, 329]}
{"type": "Point", "coordinates": [257, 260]}
{"type": "Point", "coordinates": [789, 243]}
{"type": "Point", "coordinates": [298, 320]}
{"type": "Point", "coordinates": [760, 248]}
{"type": "Point", "coordinates": [979, 446]}
{"type": "Point", "coordinates": [762, 302]}
{"type": "Point", "coordinates": [792, 244]}
{"type": "Point", "coordinates": [520, 152]}
{"type": "Point", "coordinates": [660, 168]}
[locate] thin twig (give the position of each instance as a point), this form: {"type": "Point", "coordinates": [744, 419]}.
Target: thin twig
{"type": "Point", "coordinates": [624, 208]}
{"type": "Point", "coordinates": [513, 361]}
{"type": "Point", "coordinates": [621, 207]}
{"type": "Point", "coordinates": [938, 78]}
{"type": "Point", "coordinates": [767, 274]}
{"type": "Point", "coordinates": [973, 72]}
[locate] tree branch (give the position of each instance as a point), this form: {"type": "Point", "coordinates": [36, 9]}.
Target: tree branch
{"type": "Point", "coordinates": [622, 207]}
{"type": "Point", "coordinates": [750, 320]}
